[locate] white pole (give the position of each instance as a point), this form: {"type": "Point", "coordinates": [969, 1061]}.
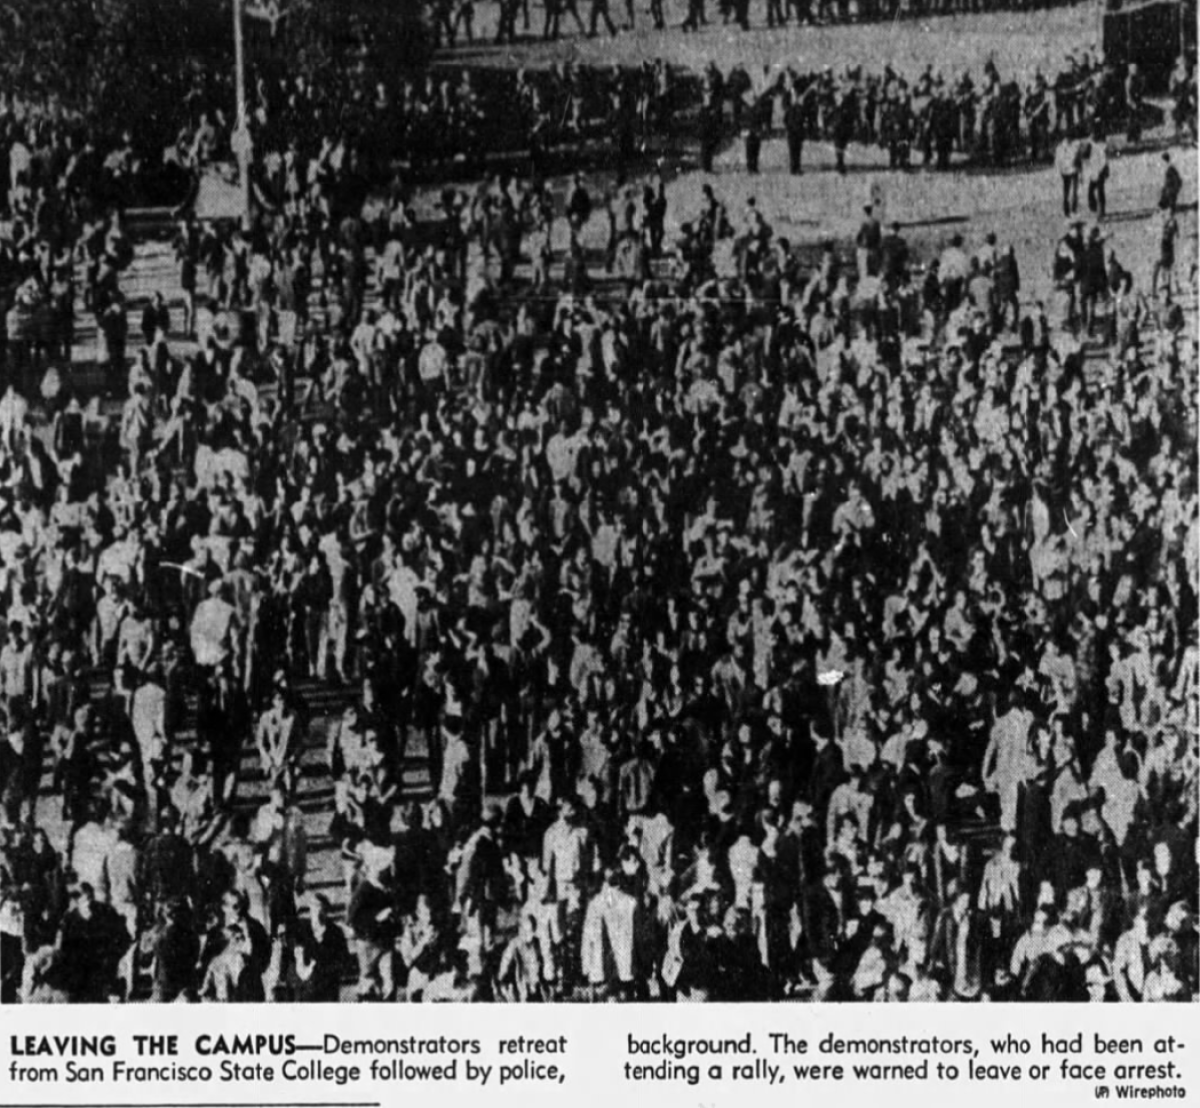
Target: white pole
{"type": "Point", "coordinates": [241, 134]}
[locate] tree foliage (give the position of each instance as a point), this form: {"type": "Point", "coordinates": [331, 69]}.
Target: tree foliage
{"type": "Point", "coordinates": [46, 47]}
{"type": "Point", "coordinates": [136, 64]}
{"type": "Point", "coordinates": [382, 38]}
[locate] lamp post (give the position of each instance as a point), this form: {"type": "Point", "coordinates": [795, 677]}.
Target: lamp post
{"type": "Point", "coordinates": [241, 133]}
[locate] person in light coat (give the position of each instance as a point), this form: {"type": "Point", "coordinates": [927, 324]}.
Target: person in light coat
{"type": "Point", "coordinates": [611, 952]}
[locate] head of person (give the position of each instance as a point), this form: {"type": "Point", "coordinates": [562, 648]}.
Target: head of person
{"type": "Point", "coordinates": [736, 922]}
{"type": "Point", "coordinates": [319, 910]}
{"type": "Point", "coordinates": [237, 937]}
{"type": "Point", "coordinates": [84, 896]}
{"type": "Point", "coordinates": [234, 906]}
{"type": "Point", "coordinates": [896, 987]}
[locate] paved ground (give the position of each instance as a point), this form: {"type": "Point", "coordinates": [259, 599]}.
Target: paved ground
{"type": "Point", "coordinates": [1023, 206]}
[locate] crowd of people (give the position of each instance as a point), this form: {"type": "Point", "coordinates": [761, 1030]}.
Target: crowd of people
{"type": "Point", "coordinates": [453, 22]}
{"type": "Point", "coordinates": [458, 121]}
{"type": "Point", "coordinates": [706, 622]}
{"type": "Point", "coordinates": [471, 119]}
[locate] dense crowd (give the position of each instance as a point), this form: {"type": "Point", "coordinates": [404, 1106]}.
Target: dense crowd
{"type": "Point", "coordinates": [760, 628]}
{"type": "Point", "coordinates": [310, 128]}
{"type": "Point", "coordinates": [453, 22]}
{"type": "Point", "coordinates": [470, 118]}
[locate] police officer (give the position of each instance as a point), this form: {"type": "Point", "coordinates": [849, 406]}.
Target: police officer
{"type": "Point", "coordinates": [695, 16]}
{"type": "Point", "coordinates": [1037, 117]}
{"type": "Point", "coordinates": [795, 123]}
{"type": "Point", "coordinates": [1135, 92]}
{"type": "Point", "coordinates": [843, 119]}
{"type": "Point", "coordinates": [755, 126]}
{"type": "Point", "coordinates": [1065, 268]}
{"type": "Point", "coordinates": [600, 12]}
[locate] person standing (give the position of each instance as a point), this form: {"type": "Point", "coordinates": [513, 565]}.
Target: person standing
{"type": "Point", "coordinates": [755, 127]}
{"type": "Point", "coordinates": [689, 967]}
{"type": "Point", "coordinates": [956, 948]}
{"type": "Point", "coordinates": [277, 738]}
{"type": "Point", "coordinates": [1037, 117]}
{"type": "Point", "coordinates": [371, 920]}
{"type": "Point", "coordinates": [1093, 277]}
{"type": "Point", "coordinates": [1066, 161]}
{"type": "Point", "coordinates": [322, 955]}
{"type": "Point", "coordinates": [568, 859]}
{"type": "Point", "coordinates": [1005, 762]}
{"type": "Point", "coordinates": [710, 133]}
{"type": "Point", "coordinates": [506, 24]}
{"type": "Point", "coordinates": [483, 882]}
{"type": "Point", "coordinates": [222, 725]}
{"type": "Point", "coordinates": [1164, 268]}
{"type": "Point", "coordinates": [600, 12]}
{"type": "Point", "coordinates": [187, 253]}
{"type": "Point", "coordinates": [1135, 92]}
{"type": "Point", "coordinates": [16, 666]}
{"type": "Point", "coordinates": [1096, 174]}
{"type": "Point", "coordinates": [232, 976]}
{"type": "Point", "coordinates": [869, 242]}
{"type": "Point", "coordinates": [894, 258]}
{"type": "Point", "coordinates": [91, 943]}
{"type": "Point", "coordinates": [465, 14]}
{"type": "Point", "coordinates": [1172, 185]}
{"type": "Point", "coordinates": [1131, 957]}
{"type": "Point", "coordinates": [1008, 287]}
{"type": "Point", "coordinates": [175, 948]}
{"type": "Point", "coordinates": [844, 117]}
{"type": "Point", "coordinates": [795, 125]}
{"type": "Point", "coordinates": [611, 959]}
{"type": "Point", "coordinates": [1065, 268]}
{"type": "Point", "coordinates": [571, 8]}
{"type": "Point", "coordinates": [1183, 98]}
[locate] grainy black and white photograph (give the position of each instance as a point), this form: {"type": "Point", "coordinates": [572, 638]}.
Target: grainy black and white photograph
{"type": "Point", "coordinates": [598, 500]}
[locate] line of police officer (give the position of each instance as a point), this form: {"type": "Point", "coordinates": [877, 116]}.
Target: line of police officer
{"type": "Point", "coordinates": [991, 120]}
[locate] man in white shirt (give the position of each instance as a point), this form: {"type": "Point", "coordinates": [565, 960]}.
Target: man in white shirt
{"type": "Point", "coordinates": [1095, 170]}
{"type": "Point", "coordinates": [568, 860]}
{"type": "Point", "coordinates": [16, 665]}
{"type": "Point", "coordinates": [1066, 161]}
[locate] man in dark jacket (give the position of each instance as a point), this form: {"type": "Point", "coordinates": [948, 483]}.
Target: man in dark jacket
{"type": "Point", "coordinates": [371, 919]}
{"type": "Point", "coordinates": [237, 923]}
{"type": "Point", "coordinates": [955, 951]}
{"type": "Point", "coordinates": [1093, 277]}
{"type": "Point", "coordinates": [893, 252]}
{"type": "Point", "coordinates": [795, 126]}
{"type": "Point", "coordinates": [483, 885]}
{"type": "Point", "coordinates": [869, 242]}
{"type": "Point", "coordinates": [828, 772]}
{"type": "Point", "coordinates": [1172, 185]}
{"type": "Point", "coordinates": [738, 969]}
{"type": "Point", "coordinates": [91, 943]}
{"type": "Point", "coordinates": [322, 956]}
{"type": "Point", "coordinates": [176, 948]}
{"type": "Point", "coordinates": [166, 862]}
